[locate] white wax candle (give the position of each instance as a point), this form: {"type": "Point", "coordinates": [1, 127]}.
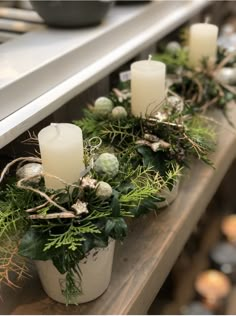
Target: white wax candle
{"type": "Point", "coordinates": [61, 148]}
{"type": "Point", "coordinates": [202, 43]}
{"type": "Point", "coordinates": [147, 86]}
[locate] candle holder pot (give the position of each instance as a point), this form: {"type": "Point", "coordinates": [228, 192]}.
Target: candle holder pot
{"type": "Point", "coordinates": [169, 195]}
{"type": "Point", "coordinates": [95, 269]}
{"type": "Point", "coordinates": [72, 13]}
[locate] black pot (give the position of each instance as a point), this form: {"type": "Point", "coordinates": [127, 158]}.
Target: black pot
{"type": "Point", "coordinates": [66, 13]}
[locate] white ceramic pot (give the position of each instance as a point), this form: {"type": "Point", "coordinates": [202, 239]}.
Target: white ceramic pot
{"type": "Point", "coordinates": [169, 196]}
{"type": "Point", "coordinates": [95, 269]}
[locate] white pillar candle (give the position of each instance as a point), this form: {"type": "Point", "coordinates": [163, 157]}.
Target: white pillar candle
{"type": "Point", "coordinates": [61, 148]}
{"type": "Point", "coordinates": [147, 86]}
{"type": "Point", "coordinates": [202, 43]}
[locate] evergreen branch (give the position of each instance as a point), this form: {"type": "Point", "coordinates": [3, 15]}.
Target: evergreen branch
{"type": "Point", "coordinates": [72, 287]}
{"type": "Point", "coordinates": [20, 185]}
{"type": "Point", "coordinates": [71, 238]}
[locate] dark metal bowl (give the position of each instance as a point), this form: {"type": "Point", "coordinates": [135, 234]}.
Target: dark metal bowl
{"type": "Point", "coordinates": [66, 13]}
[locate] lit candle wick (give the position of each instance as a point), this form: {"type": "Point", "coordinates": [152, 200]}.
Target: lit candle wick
{"type": "Point", "coordinates": [207, 19]}
{"type": "Point", "coordinates": [149, 57]}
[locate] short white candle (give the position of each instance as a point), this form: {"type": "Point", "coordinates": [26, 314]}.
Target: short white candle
{"type": "Point", "coordinates": [202, 43]}
{"type": "Point", "coordinates": [61, 148]}
{"type": "Point", "coordinates": [147, 86]}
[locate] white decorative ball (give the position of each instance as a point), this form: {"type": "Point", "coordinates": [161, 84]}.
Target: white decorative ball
{"type": "Point", "coordinates": [30, 170]}
{"type": "Point", "coordinates": [176, 103]}
{"type": "Point", "coordinates": [107, 165]}
{"type": "Point", "coordinates": [119, 112]}
{"type": "Point", "coordinates": [173, 47]}
{"type": "Point", "coordinates": [227, 75]}
{"type": "Point", "coordinates": [103, 190]}
{"type": "Point", "coordinates": [103, 105]}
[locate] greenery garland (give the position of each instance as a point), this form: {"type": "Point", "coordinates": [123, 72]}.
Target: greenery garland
{"type": "Point", "coordinates": [169, 137]}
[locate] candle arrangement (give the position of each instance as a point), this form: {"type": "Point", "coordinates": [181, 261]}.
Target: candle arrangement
{"type": "Point", "coordinates": [201, 73]}
{"type": "Point", "coordinates": [62, 221]}
{"type": "Point", "coordinates": [166, 139]}
{"type": "Point", "coordinates": [117, 162]}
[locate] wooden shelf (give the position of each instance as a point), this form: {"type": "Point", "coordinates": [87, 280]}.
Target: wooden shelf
{"type": "Point", "coordinates": [189, 265]}
{"type": "Point", "coordinates": [144, 260]}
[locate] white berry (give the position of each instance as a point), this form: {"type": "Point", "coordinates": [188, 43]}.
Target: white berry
{"type": "Point", "coordinates": [176, 103]}
{"type": "Point", "coordinates": [103, 190]}
{"type": "Point", "coordinates": [119, 112]}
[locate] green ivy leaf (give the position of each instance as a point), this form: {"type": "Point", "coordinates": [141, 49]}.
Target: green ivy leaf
{"type": "Point", "coordinates": [152, 159]}
{"type": "Point", "coordinates": [110, 224]}
{"type": "Point", "coordinates": [120, 229]}
{"type": "Point", "coordinates": [116, 228]}
{"type": "Point", "coordinates": [115, 204]}
{"type": "Point", "coordinates": [32, 245]}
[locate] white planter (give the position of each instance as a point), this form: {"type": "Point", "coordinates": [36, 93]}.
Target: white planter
{"type": "Point", "coordinates": [169, 196]}
{"type": "Point", "coordinates": [96, 271]}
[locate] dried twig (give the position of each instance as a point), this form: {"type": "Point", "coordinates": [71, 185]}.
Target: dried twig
{"type": "Point", "coordinates": [59, 179]}
{"type": "Point", "coordinates": [152, 119]}
{"type": "Point", "coordinates": [224, 61]}
{"type": "Point", "coordinates": [33, 139]}
{"type": "Point", "coordinates": [66, 214]}
{"type": "Point", "coordinates": [36, 208]}
{"type": "Point", "coordinates": [12, 263]}
{"type": "Point", "coordinates": [118, 93]}
{"type": "Point", "coordinates": [209, 103]}
{"type": "Point", "coordinates": [42, 194]}
{"type": "Point", "coordinates": [229, 88]}
{"type": "Point", "coordinates": [195, 146]}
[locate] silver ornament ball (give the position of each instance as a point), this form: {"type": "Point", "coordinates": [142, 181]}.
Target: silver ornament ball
{"type": "Point", "coordinates": [103, 190]}
{"type": "Point", "coordinates": [227, 29]}
{"type": "Point", "coordinates": [119, 112]}
{"type": "Point", "coordinates": [31, 169]}
{"type": "Point", "coordinates": [176, 103]}
{"type": "Point", "coordinates": [103, 105]}
{"type": "Point", "coordinates": [173, 47]}
{"type": "Point", "coordinates": [227, 75]}
{"type": "Point", "coordinates": [107, 165]}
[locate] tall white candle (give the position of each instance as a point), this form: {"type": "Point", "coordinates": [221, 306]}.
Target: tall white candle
{"type": "Point", "coordinates": [61, 148]}
{"type": "Point", "coordinates": [147, 86]}
{"type": "Point", "coordinates": [202, 43]}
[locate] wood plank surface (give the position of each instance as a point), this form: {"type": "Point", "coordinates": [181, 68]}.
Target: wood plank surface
{"type": "Point", "coordinates": [143, 261]}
